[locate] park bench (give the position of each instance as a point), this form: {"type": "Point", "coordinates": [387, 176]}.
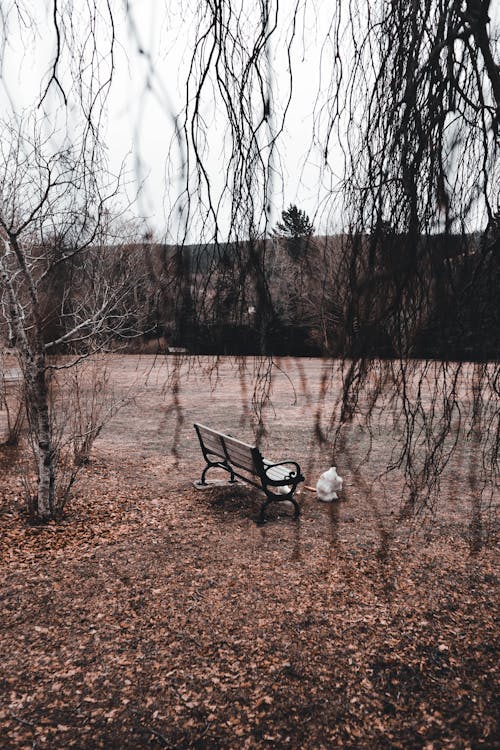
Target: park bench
{"type": "Point", "coordinates": [278, 480]}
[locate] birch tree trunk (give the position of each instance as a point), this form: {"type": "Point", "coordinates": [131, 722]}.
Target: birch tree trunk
{"type": "Point", "coordinates": [31, 349]}
{"type": "Point", "coordinates": [37, 398]}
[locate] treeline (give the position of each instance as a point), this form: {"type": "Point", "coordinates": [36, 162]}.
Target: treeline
{"type": "Point", "coordinates": [380, 295]}
{"type": "Point", "coordinates": [358, 295]}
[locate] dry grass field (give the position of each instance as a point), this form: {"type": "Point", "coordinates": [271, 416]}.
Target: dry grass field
{"type": "Point", "coordinates": [155, 615]}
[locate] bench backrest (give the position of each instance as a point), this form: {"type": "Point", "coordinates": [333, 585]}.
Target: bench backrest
{"type": "Point", "coordinates": [229, 449]}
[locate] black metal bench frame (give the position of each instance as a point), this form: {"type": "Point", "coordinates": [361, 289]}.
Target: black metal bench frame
{"type": "Point", "coordinates": [226, 452]}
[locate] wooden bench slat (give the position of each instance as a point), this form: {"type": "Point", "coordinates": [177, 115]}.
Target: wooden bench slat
{"type": "Point", "coordinates": [237, 447]}
{"type": "Point", "coordinates": [277, 473]}
{"type": "Point", "coordinates": [225, 446]}
{"type": "Point", "coordinates": [208, 431]}
{"type": "Point", "coordinates": [242, 465]}
{"type": "Point", "coordinates": [217, 445]}
{"type": "Point", "coordinates": [244, 458]}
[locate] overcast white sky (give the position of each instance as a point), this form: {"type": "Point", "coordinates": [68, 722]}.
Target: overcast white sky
{"type": "Point", "coordinates": [140, 123]}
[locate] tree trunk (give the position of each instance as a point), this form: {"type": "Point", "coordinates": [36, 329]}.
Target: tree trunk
{"type": "Point", "coordinates": [37, 398]}
{"type": "Point", "coordinates": [31, 345]}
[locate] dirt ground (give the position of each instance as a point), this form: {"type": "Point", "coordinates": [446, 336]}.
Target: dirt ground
{"type": "Point", "coordinates": [155, 615]}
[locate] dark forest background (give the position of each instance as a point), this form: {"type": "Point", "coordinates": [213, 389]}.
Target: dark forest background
{"type": "Point", "coordinates": [341, 296]}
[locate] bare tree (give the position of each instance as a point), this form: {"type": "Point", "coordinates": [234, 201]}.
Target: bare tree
{"type": "Point", "coordinates": [49, 196]}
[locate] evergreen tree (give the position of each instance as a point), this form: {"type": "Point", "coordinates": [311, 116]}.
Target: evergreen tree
{"type": "Point", "coordinates": [296, 227]}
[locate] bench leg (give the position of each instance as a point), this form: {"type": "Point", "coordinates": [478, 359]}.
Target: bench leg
{"type": "Point", "coordinates": [204, 474]}
{"type": "Point", "coordinates": [232, 479]}
{"type": "Point", "coordinates": [273, 498]}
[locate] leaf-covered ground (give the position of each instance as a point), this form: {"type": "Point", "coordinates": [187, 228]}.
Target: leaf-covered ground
{"type": "Point", "coordinates": [156, 616]}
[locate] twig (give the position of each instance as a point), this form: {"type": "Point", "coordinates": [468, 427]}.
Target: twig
{"type": "Point", "coordinates": [156, 733]}
{"type": "Point", "coordinates": [182, 634]}
{"type": "Point", "coordinates": [23, 721]}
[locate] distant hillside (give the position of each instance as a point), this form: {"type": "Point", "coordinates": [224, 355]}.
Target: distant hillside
{"type": "Point", "coordinates": [436, 296]}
